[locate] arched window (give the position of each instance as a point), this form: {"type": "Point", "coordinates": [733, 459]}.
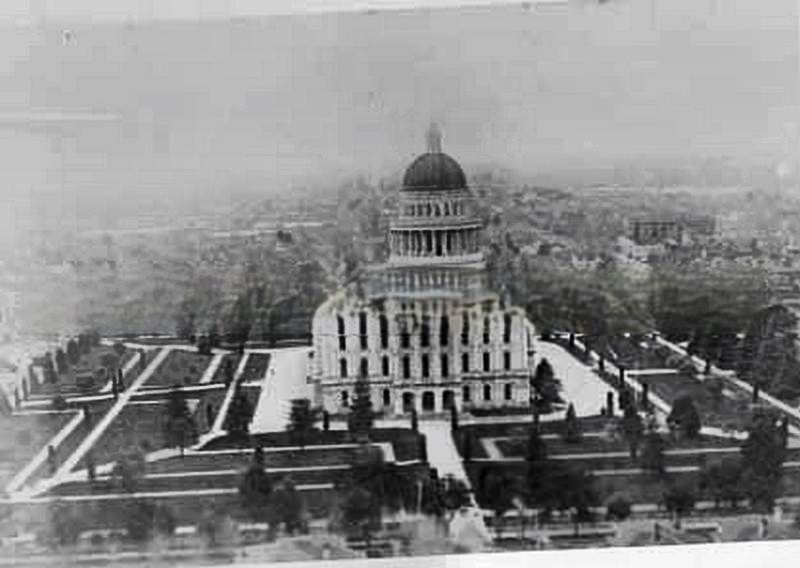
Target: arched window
{"type": "Point", "coordinates": [387, 397]}
{"type": "Point", "coordinates": [343, 367]}
{"type": "Point", "coordinates": [384, 325]}
{"type": "Point", "coordinates": [362, 329]}
{"type": "Point", "coordinates": [364, 368]}
{"type": "Point", "coordinates": [487, 392]}
{"type": "Point", "coordinates": [506, 328]}
{"type": "Point", "coordinates": [425, 333]}
{"type": "Point", "coordinates": [385, 366]}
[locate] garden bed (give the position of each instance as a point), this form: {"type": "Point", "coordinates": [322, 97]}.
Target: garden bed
{"type": "Point", "coordinates": [256, 367]}
{"type": "Point", "coordinates": [179, 368]}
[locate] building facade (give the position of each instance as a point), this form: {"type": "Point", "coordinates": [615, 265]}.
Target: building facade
{"type": "Point", "coordinates": [424, 329]}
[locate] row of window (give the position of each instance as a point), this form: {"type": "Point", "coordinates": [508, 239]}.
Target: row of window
{"type": "Point", "coordinates": [424, 333]}
{"type": "Point", "coordinates": [447, 397]}
{"type": "Point", "coordinates": [425, 363]}
{"type": "Point", "coordinates": [434, 209]}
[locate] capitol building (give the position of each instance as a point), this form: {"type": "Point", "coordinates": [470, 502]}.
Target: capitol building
{"type": "Point", "coordinates": [424, 329]}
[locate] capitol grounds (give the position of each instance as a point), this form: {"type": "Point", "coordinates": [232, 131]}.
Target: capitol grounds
{"type": "Point", "coordinates": [68, 423]}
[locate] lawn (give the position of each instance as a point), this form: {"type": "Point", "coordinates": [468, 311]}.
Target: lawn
{"type": "Point", "coordinates": [136, 426]}
{"type": "Point", "coordinates": [229, 363]}
{"type": "Point", "coordinates": [256, 367]}
{"type": "Point", "coordinates": [23, 437]}
{"type": "Point", "coordinates": [179, 368]}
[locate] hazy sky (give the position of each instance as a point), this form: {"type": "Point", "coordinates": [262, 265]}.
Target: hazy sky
{"type": "Point", "coordinates": [99, 119]}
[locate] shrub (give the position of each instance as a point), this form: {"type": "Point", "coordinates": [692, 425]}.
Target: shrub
{"type": "Point", "coordinates": [618, 507]}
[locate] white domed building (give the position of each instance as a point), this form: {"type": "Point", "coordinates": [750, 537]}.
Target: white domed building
{"type": "Point", "coordinates": [425, 331]}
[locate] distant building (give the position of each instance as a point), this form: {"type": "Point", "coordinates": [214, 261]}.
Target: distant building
{"type": "Point", "coordinates": [424, 330]}
{"type": "Point", "coordinates": [656, 230]}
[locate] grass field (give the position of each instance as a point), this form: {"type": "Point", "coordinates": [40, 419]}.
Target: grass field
{"type": "Point", "coordinates": [135, 426]}
{"type": "Point", "coordinates": [256, 367]}
{"type": "Point", "coordinates": [179, 368]}
{"type": "Point", "coordinates": [23, 437]}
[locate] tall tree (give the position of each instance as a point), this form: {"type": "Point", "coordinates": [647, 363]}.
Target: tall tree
{"type": "Point", "coordinates": [73, 354]}
{"type": "Point", "coordinates": [61, 361]}
{"type": "Point", "coordinates": [632, 428]}
{"type": "Point", "coordinates": [179, 427]}
{"type": "Point", "coordinates": [361, 416]}
{"type": "Point", "coordinates": [723, 482]}
{"type": "Point", "coordinates": [498, 490]}
{"type": "Point", "coordinates": [763, 453]}
{"type": "Point", "coordinates": [572, 428]}
{"type": "Point", "coordinates": [684, 418]}
{"type": "Point", "coordinates": [302, 421]}
{"type": "Point", "coordinates": [288, 507]}
{"type": "Point", "coordinates": [255, 489]}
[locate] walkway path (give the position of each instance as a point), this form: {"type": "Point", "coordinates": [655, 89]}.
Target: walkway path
{"type": "Point", "coordinates": [19, 480]}
{"type": "Point", "coordinates": [581, 385]}
{"type": "Point", "coordinates": [74, 459]}
{"type": "Point", "coordinates": [285, 380]}
{"type": "Point", "coordinates": [219, 421]}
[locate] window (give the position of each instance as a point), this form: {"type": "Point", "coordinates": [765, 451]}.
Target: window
{"type": "Point", "coordinates": [425, 333]}
{"type": "Point", "coordinates": [466, 394]}
{"type": "Point", "coordinates": [507, 361]}
{"type": "Point", "coordinates": [406, 367]}
{"type": "Point", "coordinates": [405, 339]}
{"type": "Point", "coordinates": [444, 331]}
{"type": "Point", "coordinates": [384, 324]}
{"type": "Point", "coordinates": [486, 362]}
{"type": "Point", "coordinates": [487, 392]}
{"type": "Point", "coordinates": [362, 329]}
{"type": "Point", "coordinates": [445, 366]}
{"type": "Point", "coordinates": [345, 398]}
{"type": "Point", "coordinates": [507, 328]}
{"type": "Point", "coordinates": [343, 368]}
{"type": "Point", "coordinates": [387, 397]}
{"type": "Point", "coordinates": [364, 367]}
{"type": "Point", "coordinates": [465, 362]}
{"type": "Point", "coordinates": [486, 330]}
{"type": "Point", "coordinates": [385, 366]}
{"type": "Point", "coordinates": [425, 366]}
{"type": "Point", "coordinates": [342, 343]}
{"type": "Point", "coordinates": [507, 391]}
{"type": "Point", "coordinates": [340, 324]}
{"type": "Point", "coordinates": [465, 329]}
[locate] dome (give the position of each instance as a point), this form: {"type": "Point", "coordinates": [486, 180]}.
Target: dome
{"type": "Point", "coordinates": [434, 170]}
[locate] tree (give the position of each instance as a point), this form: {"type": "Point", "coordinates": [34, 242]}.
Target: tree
{"type": "Point", "coordinates": [678, 500]}
{"type": "Point", "coordinates": [498, 490]}
{"type": "Point", "coordinates": [546, 386]}
{"type": "Point", "coordinates": [684, 418]}
{"type": "Point", "coordinates": [572, 428]}
{"type": "Point", "coordinates": [240, 413]}
{"type": "Point", "coordinates": [143, 518]}
{"type": "Point", "coordinates": [61, 361]}
{"type": "Point", "coordinates": [383, 481]}
{"type": "Point", "coordinates": [618, 507]}
{"type": "Point", "coordinates": [568, 488]}
{"type": "Point", "coordinates": [361, 514]}
{"type": "Point", "coordinates": [288, 507]}
{"type": "Point", "coordinates": [361, 416]}
{"type": "Point", "coordinates": [652, 458]}
{"type": "Point", "coordinates": [129, 470]}
{"type": "Point", "coordinates": [73, 354]}
{"type": "Point", "coordinates": [763, 453]}
{"type": "Point", "coordinates": [65, 523]}
{"type": "Point", "coordinates": [255, 489]}
{"type": "Point", "coordinates": [723, 482]}
{"type": "Point", "coordinates": [179, 427]}
{"type": "Point", "coordinates": [632, 429]}
{"type": "Point", "coordinates": [302, 421]}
